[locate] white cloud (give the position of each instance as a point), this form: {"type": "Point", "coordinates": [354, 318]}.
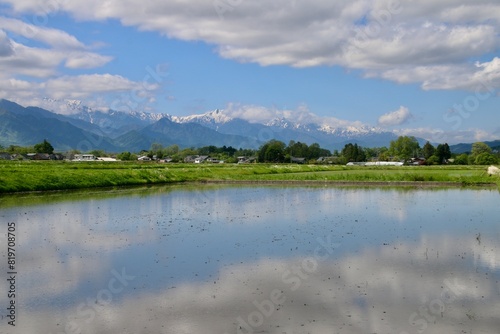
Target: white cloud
{"type": "Point", "coordinates": [19, 58]}
{"type": "Point", "coordinates": [374, 290]}
{"type": "Point", "coordinates": [436, 135]}
{"type": "Point", "coordinates": [86, 60]}
{"type": "Point", "coordinates": [388, 39]}
{"type": "Point", "coordinates": [42, 62]}
{"type": "Point", "coordinates": [398, 117]}
{"type": "Point", "coordinates": [439, 45]}
{"type": "Point", "coordinates": [301, 115]}
{"type": "Point", "coordinates": [84, 85]}
{"type": "Point", "coordinates": [5, 45]}
{"type": "Point", "coordinates": [104, 90]}
{"type": "Point", "coordinates": [476, 77]}
{"type": "Point", "coordinates": [52, 37]}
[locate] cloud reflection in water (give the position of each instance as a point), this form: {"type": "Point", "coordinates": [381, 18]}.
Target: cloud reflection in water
{"type": "Point", "coordinates": [213, 261]}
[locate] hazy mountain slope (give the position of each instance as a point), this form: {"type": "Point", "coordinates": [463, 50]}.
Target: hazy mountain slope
{"type": "Point", "coordinates": [29, 126]}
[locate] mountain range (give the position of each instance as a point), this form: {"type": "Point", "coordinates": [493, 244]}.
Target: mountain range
{"type": "Point", "coordinates": [69, 125]}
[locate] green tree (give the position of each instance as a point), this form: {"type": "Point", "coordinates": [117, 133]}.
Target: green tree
{"type": "Point", "coordinates": [171, 150]}
{"type": "Point", "coordinates": [443, 153]}
{"type": "Point", "coordinates": [297, 149]}
{"type": "Point", "coordinates": [261, 154]}
{"type": "Point", "coordinates": [98, 153]}
{"type": "Point", "coordinates": [478, 148]}
{"type": "Point", "coordinates": [404, 148]}
{"type": "Point", "coordinates": [44, 147]}
{"type": "Point", "coordinates": [353, 152]}
{"type": "Point", "coordinates": [433, 160]}
{"type": "Point", "coordinates": [275, 152]}
{"type": "Point", "coordinates": [462, 159]}
{"type": "Point", "coordinates": [127, 156]}
{"type": "Point", "coordinates": [14, 149]}
{"type": "Point", "coordinates": [272, 151]}
{"type": "Point", "coordinates": [315, 151]}
{"type": "Point", "coordinates": [486, 159]}
{"type": "Point", "coordinates": [428, 150]}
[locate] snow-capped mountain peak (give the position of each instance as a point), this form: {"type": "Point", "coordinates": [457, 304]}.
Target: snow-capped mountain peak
{"type": "Point", "coordinates": [250, 121]}
{"type": "Point", "coordinates": [210, 118]}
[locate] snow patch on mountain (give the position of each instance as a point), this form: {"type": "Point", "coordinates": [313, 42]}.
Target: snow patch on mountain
{"type": "Point", "coordinates": [301, 120]}
{"type": "Point", "coordinates": [76, 109]}
{"type": "Point", "coordinates": [210, 118]}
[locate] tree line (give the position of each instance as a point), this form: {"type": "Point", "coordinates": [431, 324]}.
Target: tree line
{"type": "Point", "coordinates": [404, 148]}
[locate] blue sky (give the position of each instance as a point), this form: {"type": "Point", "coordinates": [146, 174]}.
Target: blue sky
{"type": "Point", "coordinates": [414, 67]}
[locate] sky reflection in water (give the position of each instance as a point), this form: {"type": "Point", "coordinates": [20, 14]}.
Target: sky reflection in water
{"type": "Point", "coordinates": [264, 259]}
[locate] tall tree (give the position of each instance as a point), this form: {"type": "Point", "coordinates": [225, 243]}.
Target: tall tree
{"type": "Point", "coordinates": [428, 150]}
{"type": "Point", "coordinates": [486, 159]}
{"type": "Point", "coordinates": [275, 152]}
{"type": "Point", "coordinates": [44, 147]}
{"type": "Point", "coordinates": [404, 148]}
{"type": "Point", "coordinates": [443, 153]}
{"type": "Point", "coordinates": [353, 152]}
{"type": "Point", "coordinates": [478, 148]}
{"type": "Point", "coordinates": [272, 151]}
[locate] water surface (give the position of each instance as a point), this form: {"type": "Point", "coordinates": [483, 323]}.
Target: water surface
{"type": "Point", "coordinates": [243, 259]}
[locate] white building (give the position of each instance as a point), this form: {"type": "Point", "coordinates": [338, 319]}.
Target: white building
{"type": "Point", "coordinates": [84, 157]}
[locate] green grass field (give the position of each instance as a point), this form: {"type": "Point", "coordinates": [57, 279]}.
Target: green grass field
{"type": "Point", "coordinates": [50, 175]}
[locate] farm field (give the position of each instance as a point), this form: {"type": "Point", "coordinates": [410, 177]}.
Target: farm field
{"type": "Point", "coordinates": [43, 176]}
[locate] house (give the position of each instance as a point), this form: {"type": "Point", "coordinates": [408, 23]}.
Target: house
{"type": "Point", "coordinates": [190, 158]}
{"type": "Point", "coordinates": [246, 160]}
{"type": "Point", "coordinates": [298, 160]}
{"type": "Point", "coordinates": [5, 156]}
{"type": "Point", "coordinates": [417, 161]}
{"type": "Point", "coordinates": [107, 159]}
{"type": "Point", "coordinates": [38, 156]}
{"type": "Point", "coordinates": [328, 160]}
{"type": "Point", "coordinates": [376, 163]}
{"type": "Point", "coordinates": [57, 156]}
{"type": "Point", "coordinates": [213, 160]}
{"type": "Point", "coordinates": [17, 156]}
{"type": "Point", "coordinates": [144, 158]}
{"type": "Point", "coordinates": [84, 157]}
{"type": "Point", "coordinates": [201, 159]}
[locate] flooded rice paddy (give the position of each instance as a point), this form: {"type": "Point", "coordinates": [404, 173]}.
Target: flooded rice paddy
{"type": "Point", "coordinates": [252, 259]}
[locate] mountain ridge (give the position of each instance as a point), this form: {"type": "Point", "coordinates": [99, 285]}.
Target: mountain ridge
{"type": "Point", "coordinates": [121, 131]}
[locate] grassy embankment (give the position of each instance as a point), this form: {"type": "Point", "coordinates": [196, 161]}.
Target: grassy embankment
{"type": "Point", "coordinates": [40, 176]}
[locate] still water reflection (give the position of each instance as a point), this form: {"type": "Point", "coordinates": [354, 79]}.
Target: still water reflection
{"type": "Point", "coordinates": [220, 259]}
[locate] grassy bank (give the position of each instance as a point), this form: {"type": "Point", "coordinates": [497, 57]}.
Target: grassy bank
{"type": "Point", "coordinates": [40, 176]}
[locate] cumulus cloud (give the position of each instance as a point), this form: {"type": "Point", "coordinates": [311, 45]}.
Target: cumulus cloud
{"type": "Point", "coordinates": [62, 48]}
{"type": "Point", "coordinates": [436, 135]}
{"type": "Point", "coordinates": [5, 45]}
{"type": "Point", "coordinates": [85, 85]}
{"type": "Point", "coordinates": [398, 117]}
{"type": "Point", "coordinates": [389, 39]}
{"type": "Point", "coordinates": [438, 45]}
{"type": "Point", "coordinates": [86, 60]}
{"type": "Point", "coordinates": [52, 37]}
{"type": "Point", "coordinates": [370, 291]}
{"type": "Point", "coordinates": [42, 60]}
{"type": "Point", "coordinates": [301, 115]}
{"type": "Point", "coordinates": [105, 90]}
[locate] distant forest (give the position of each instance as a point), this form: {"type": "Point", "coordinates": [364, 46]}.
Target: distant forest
{"type": "Point", "coordinates": [405, 149]}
